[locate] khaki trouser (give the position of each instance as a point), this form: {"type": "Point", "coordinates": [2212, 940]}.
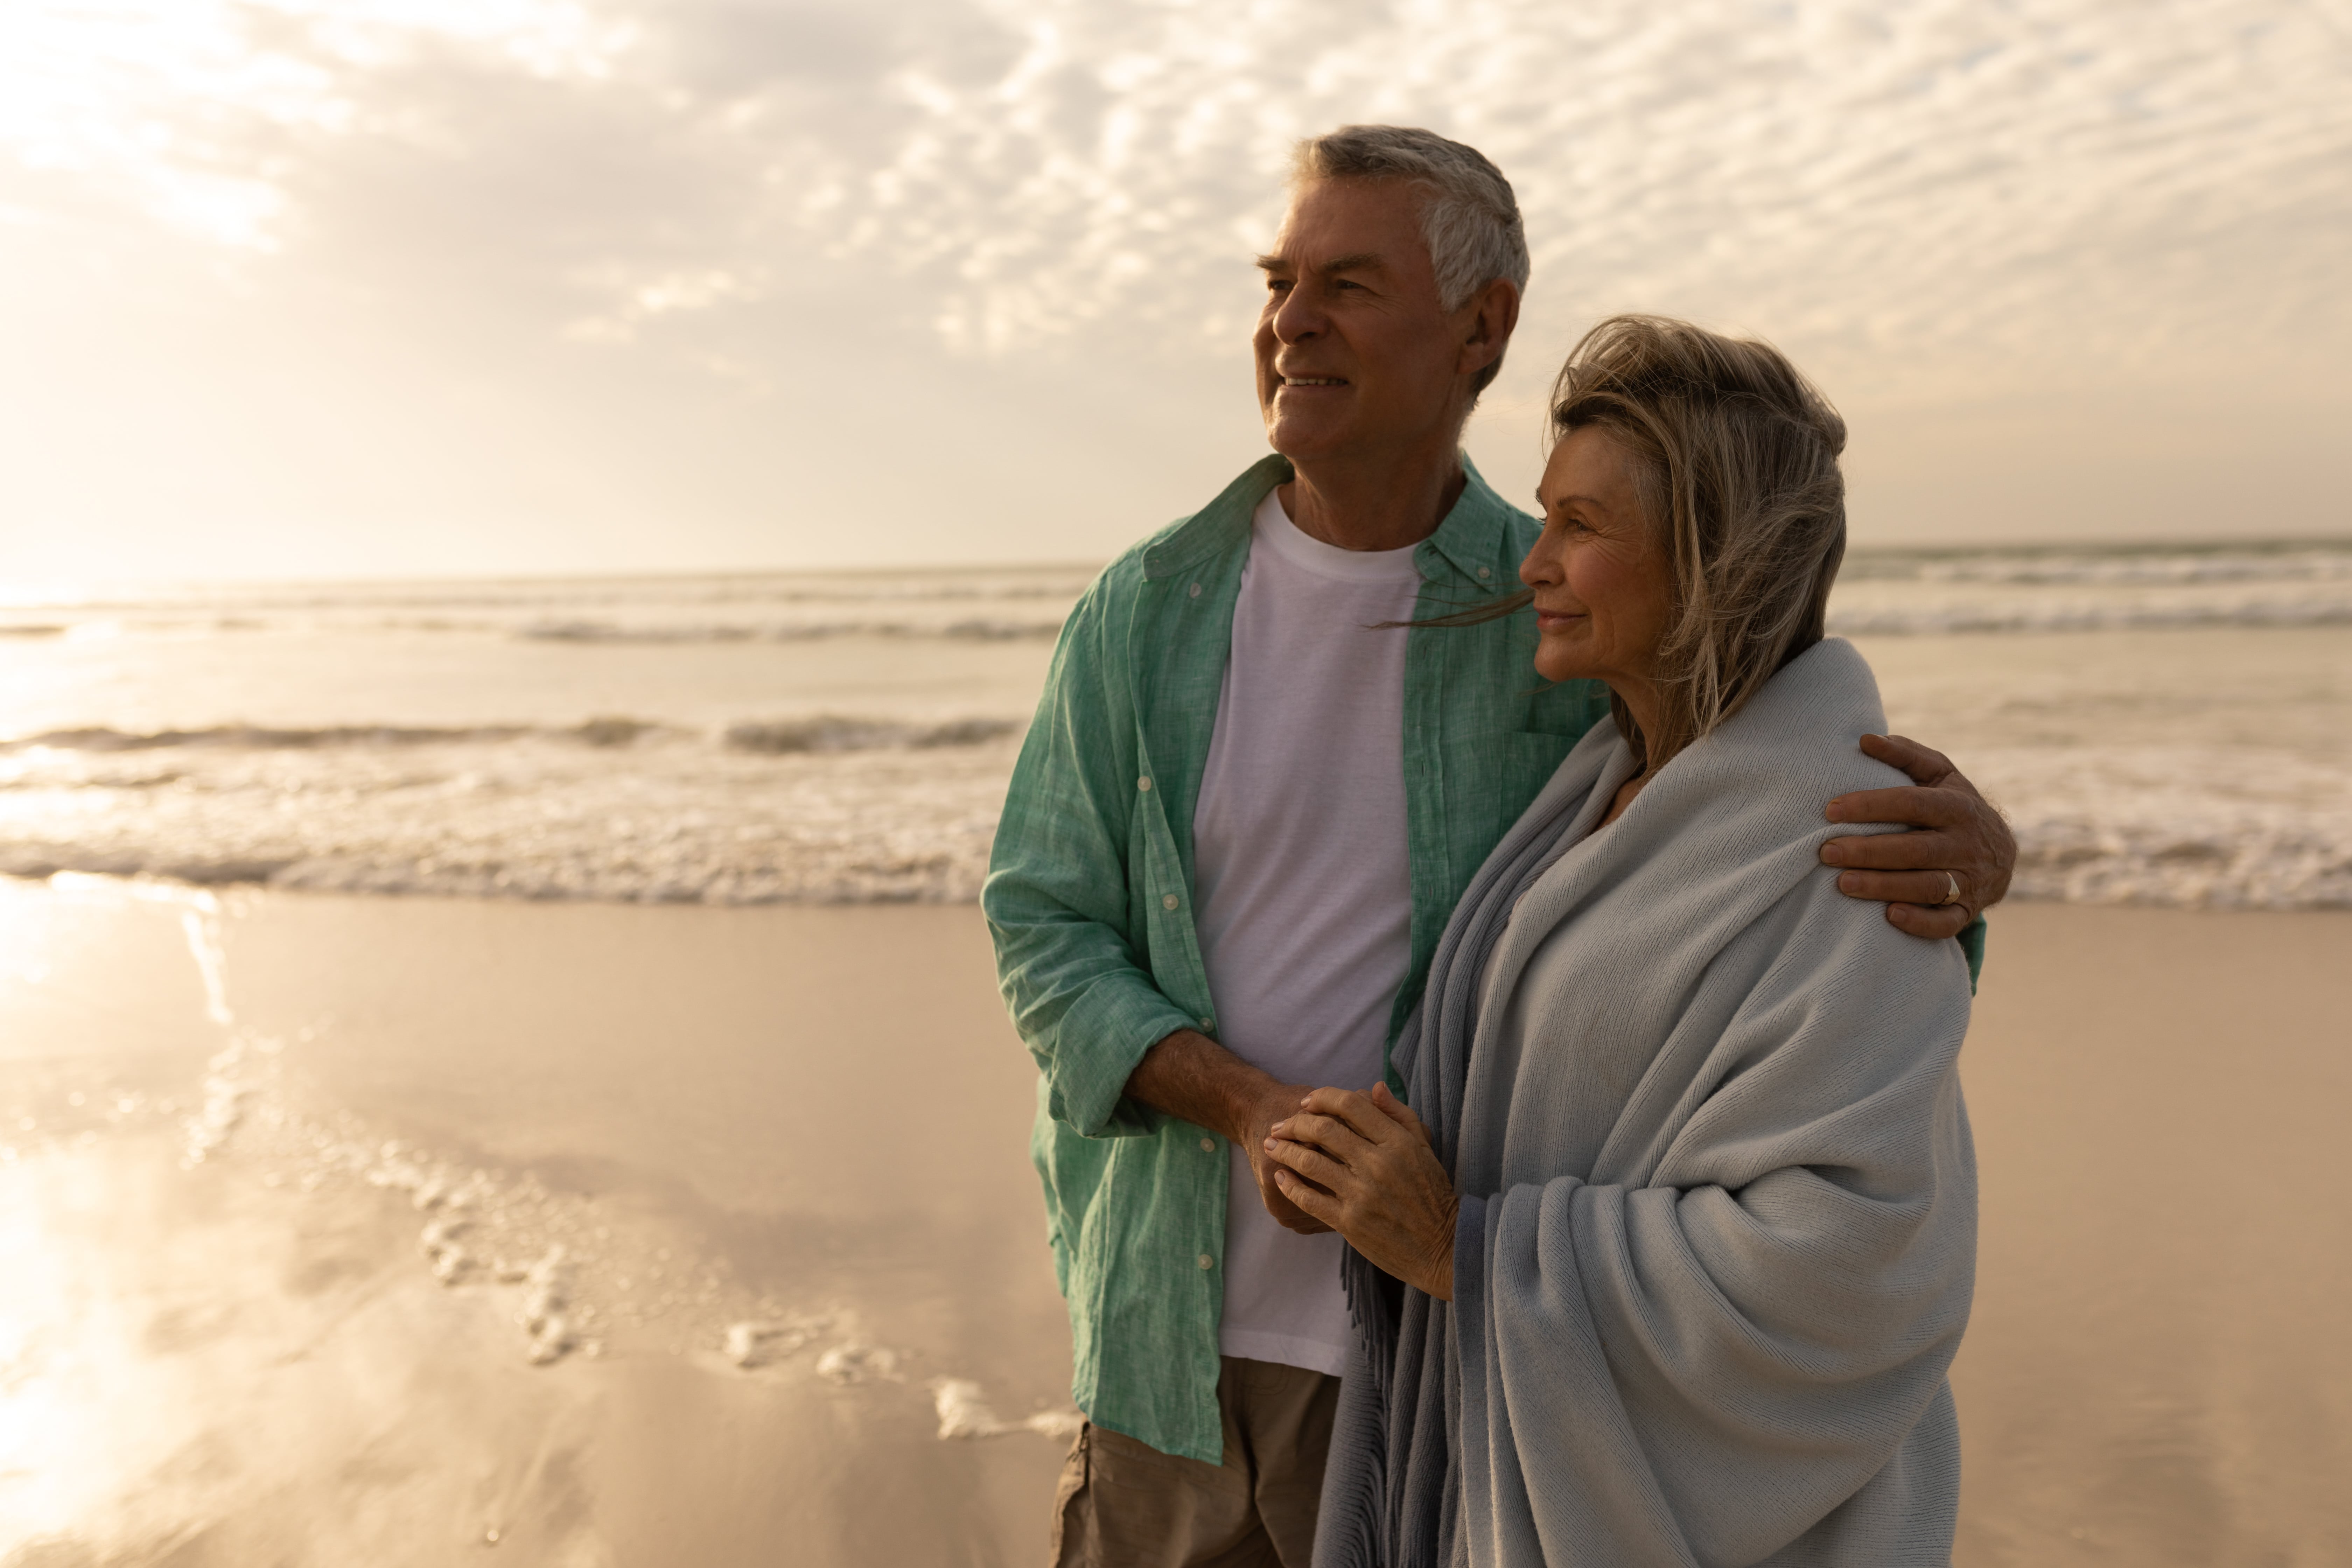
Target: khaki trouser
{"type": "Point", "coordinates": [1124, 1504]}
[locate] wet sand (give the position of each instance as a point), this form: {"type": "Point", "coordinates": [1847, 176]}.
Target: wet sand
{"type": "Point", "coordinates": [810, 1121]}
{"type": "Point", "coordinates": [807, 1127]}
{"type": "Point", "coordinates": [2157, 1370]}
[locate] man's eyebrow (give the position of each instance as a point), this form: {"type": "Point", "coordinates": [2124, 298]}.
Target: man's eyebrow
{"type": "Point", "coordinates": [1359, 261]}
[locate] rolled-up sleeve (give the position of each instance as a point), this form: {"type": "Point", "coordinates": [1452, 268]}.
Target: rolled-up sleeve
{"type": "Point", "coordinates": [1058, 898]}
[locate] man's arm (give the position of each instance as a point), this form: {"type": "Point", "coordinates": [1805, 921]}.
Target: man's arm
{"type": "Point", "coordinates": [1057, 898]}
{"type": "Point", "coordinates": [1955, 831]}
{"type": "Point", "coordinates": [1189, 1075]}
{"type": "Point", "coordinates": [1107, 1041]}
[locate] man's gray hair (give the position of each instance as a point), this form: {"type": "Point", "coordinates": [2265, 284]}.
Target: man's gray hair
{"type": "Point", "coordinates": [1470, 218]}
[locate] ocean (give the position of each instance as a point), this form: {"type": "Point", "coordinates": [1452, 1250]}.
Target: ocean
{"type": "Point", "coordinates": [2163, 725]}
{"type": "Point", "coordinates": [659, 1190]}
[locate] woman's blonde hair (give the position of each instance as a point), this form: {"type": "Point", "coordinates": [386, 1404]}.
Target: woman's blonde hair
{"type": "Point", "coordinates": [1735, 457]}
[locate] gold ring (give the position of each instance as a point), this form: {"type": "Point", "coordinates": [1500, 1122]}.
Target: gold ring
{"type": "Point", "coordinates": [1951, 890]}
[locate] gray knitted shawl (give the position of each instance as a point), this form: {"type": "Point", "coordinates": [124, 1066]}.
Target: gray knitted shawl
{"type": "Point", "coordinates": [1718, 1203]}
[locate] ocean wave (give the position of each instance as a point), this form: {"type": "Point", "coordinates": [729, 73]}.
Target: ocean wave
{"type": "Point", "coordinates": [1007, 584]}
{"type": "Point", "coordinates": [829, 734]}
{"type": "Point", "coordinates": [2188, 827]}
{"type": "Point", "coordinates": [664, 824]}
{"type": "Point", "coordinates": [2082, 862]}
{"type": "Point", "coordinates": [833, 873]}
{"type": "Point", "coordinates": [2141, 566]}
{"type": "Point", "coordinates": [819, 732]}
{"type": "Point", "coordinates": [971, 629]}
{"type": "Point", "coordinates": [599, 731]}
{"type": "Point", "coordinates": [2223, 861]}
{"type": "Point", "coordinates": [2083, 615]}
{"type": "Point", "coordinates": [913, 826]}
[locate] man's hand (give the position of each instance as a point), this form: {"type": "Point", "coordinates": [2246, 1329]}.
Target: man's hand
{"type": "Point", "coordinates": [1189, 1075]}
{"type": "Point", "coordinates": [1955, 832]}
{"type": "Point", "coordinates": [1363, 1164]}
{"type": "Point", "coordinates": [1281, 1101]}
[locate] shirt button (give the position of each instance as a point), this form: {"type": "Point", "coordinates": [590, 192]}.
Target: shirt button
{"type": "Point", "coordinates": [1144, 783]}
{"type": "Point", "coordinates": [1207, 1261]}
{"type": "Point", "coordinates": [1208, 1023]}
{"type": "Point", "coordinates": [1483, 573]}
{"type": "Point", "coordinates": [1207, 1145]}
{"type": "Point", "coordinates": [1196, 590]}
{"type": "Point", "coordinates": [1167, 900]}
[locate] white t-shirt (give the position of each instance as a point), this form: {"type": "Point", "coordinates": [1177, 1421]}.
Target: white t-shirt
{"type": "Point", "coordinates": [1305, 895]}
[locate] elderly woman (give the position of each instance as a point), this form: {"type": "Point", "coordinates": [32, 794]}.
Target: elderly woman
{"type": "Point", "coordinates": [1668, 1259]}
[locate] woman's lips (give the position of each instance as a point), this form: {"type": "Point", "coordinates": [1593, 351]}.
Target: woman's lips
{"type": "Point", "coordinates": [1556, 620]}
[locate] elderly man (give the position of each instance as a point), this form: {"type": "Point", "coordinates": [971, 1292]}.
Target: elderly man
{"type": "Point", "coordinates": [1240, 819]}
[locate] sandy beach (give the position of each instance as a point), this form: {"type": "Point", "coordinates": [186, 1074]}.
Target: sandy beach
{"type": "Point", "coordinates": [745, 1263]}
{"type": "Point", "coordinates": [2157, 1370]}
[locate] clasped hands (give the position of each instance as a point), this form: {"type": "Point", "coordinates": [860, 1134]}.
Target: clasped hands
{"type": "Point", "coordinates": [1362, 1165]}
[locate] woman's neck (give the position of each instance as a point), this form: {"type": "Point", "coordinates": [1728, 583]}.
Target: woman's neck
{"type": "Point", "coordinates": [1641, 700]}
{"type": "Point", "coordinates": [1625, 794]}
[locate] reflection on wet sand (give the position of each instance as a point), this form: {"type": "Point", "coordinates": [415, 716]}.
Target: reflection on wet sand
{"type": "Point", "coordinates": [626, 1292]}
{"type": "Point", "coordinates": [349, 1230]}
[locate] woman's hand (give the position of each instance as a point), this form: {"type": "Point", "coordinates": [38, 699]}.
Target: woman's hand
{"type": "Point", "coordinates": [1361, 1163]}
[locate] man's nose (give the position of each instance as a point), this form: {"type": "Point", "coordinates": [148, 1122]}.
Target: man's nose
{"type": "Point", "coordinates": [1295, 319]}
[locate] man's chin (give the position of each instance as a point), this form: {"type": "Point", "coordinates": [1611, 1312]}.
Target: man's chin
{"type": "Point", "coordinates": [1310, 440]}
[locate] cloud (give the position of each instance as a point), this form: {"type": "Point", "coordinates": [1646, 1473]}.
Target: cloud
{"type": "Point", "coordinates": [561, 259]}
{"type": "Point", "coordinates": [1944, 177]}
{"type": "Point", "coordinates": [2117, 178]}
{"type": "Point", "coordinates": [175, 104]}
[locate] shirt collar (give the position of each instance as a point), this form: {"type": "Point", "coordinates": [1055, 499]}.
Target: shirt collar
{"type": "Point", "coordinates": [1220, 525]}
{"type": "Point", "coordinates": [1471, 537]}
{"type": "Point", "coordinates": [1477, 531]}
{"type": "Point", "coordinates": [1473, 534]}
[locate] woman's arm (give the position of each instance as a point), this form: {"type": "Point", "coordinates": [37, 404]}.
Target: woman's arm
{"type": "Point", "coordinates": [1362, 1165]}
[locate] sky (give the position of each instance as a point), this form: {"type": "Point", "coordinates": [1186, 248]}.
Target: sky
{"type": "Point", "coordinates": [338, 287]}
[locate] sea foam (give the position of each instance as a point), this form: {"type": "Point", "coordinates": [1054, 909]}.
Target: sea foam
{"type": "Point", "coordinates": [739, 752]}
{"type": "Point", "coordinates": [2089, 829]}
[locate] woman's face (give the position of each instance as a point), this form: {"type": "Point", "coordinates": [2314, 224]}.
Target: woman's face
{"type": "Point", "coordinates": [1603, 590]}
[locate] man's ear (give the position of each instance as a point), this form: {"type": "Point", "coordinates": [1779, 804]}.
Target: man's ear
{"type": "Point", "coordinates": [1493, 315]}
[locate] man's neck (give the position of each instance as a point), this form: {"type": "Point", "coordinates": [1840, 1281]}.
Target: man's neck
{"type": "Point", "coordinates": [1385, 506]}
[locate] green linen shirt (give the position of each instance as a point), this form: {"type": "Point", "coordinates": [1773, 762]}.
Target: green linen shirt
{"type": "Point", "coordinates": [1090, 901]}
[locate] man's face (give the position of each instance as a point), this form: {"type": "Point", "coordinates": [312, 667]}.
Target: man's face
{"type": "Point", "coordinates": [1355, 351]}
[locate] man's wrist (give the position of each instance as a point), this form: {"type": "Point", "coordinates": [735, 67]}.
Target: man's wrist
{"type": "Point", "coordinates": [1186, 1074]}
{"type": "Point", "coordinates": [1251, 1109]}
